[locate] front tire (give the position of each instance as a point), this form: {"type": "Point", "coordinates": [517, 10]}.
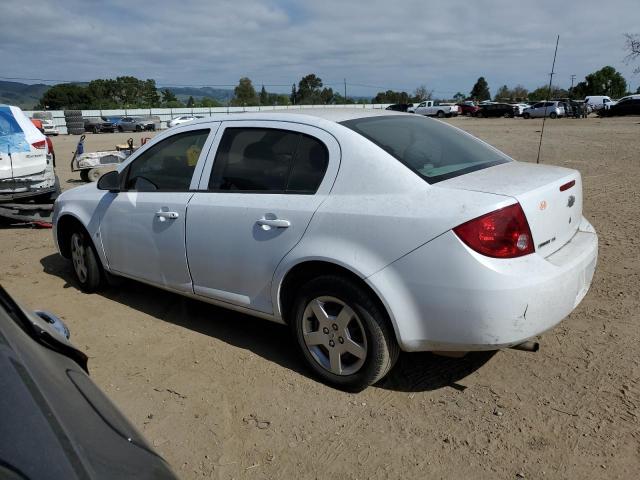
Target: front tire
{"type": "Point", "coordinates": [440, 114]}
{"type": "Point", "coordinates": [553, 115]}
{"type": "Point", "coordinates": [343, 334]}
{"type": "Point", "coordinates": [86, 265]}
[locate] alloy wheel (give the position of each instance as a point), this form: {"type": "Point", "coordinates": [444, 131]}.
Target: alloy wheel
{"type": "Point", "coordinates": [334, 335]}
{"type": "Point", "coordinates": [78, 257]}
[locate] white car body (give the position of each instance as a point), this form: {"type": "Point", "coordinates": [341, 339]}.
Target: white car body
{"type": "Point", "coordinates": [544, 109]}
{"type": "Point", "coordinates": [596, 102]}
{"type": "Point", "coordinates": [26, 167]}
{"type": "Point", "coordinates": [372, 217]}
{"type": "Point", "coordinates": [434, 109]}
{"type": "Point", "coordinates": [181, 119]}
{"type": "Point", "coordinates": [48, 124]}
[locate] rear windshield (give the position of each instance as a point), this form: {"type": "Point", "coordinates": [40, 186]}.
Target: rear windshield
{"type": "Point", "coordinates": [431, 148]}
{"type": "Point", "coordinates": [8, 123]}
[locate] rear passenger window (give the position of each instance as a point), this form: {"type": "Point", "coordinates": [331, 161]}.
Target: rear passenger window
{"type": "Point", "coordinates": [268, 160]}
{"type": "Point", "coordinates": [168, 165]}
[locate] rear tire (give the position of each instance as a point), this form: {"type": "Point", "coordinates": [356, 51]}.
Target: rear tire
{"type": "Point", "coordinates": [86, 265]}
{"type": "Point", "coordinates": [440, 114]}
{"type": "Point", "coordinates": [84, 175]}
{"type": "Point", "coordinates": [553, 115]}
{"type": "Point", "coordinates": [343, 334]}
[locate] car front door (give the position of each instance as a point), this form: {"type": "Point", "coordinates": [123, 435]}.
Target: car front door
{"type": "Point", "coordinates": [261, 186]}
{"type": "Point", "coordinates": [143, 226]}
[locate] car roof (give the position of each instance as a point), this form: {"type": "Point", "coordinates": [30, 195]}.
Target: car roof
{"type": "Point", "coordinates": [310, 115]}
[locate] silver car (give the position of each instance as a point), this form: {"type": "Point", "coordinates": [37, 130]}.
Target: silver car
{"type": "Point", "coordinates": [544, 109]}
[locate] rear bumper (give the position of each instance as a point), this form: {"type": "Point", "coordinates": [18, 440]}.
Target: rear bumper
{"type": "Point", "coordinates": [28, 186]}
{"type": "Point", "coordinates": [444, 296]}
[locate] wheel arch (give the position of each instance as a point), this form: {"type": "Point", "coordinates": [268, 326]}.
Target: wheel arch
{"type": "Point", "coordinates": [305, 270]}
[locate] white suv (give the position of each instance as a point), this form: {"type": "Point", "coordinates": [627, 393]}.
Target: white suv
{"type": "Point", "coordinates": [368, 232]}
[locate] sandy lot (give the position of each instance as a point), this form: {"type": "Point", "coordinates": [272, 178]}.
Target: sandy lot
{"type": "Point", "coordinates": [223, 395]}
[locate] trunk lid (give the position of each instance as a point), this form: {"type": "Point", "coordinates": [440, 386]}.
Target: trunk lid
{"type": "Point", "coordinates": [553, 214]}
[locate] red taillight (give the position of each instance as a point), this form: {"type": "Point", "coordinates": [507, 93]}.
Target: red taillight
{"type": "Point", "coordinates": [49, 145]}
{"type": "Point", "coordinates": [504, 233]}
{"type": "Point", "coordinates": [567, 185]}
{"type": "Point", "coordinates": [40, 145]}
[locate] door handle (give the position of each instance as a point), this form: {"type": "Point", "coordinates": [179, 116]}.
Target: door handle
{"type": "Point", "coordinates": [269, 223]}
{"type": "Point", "coordinates": [164, 215]}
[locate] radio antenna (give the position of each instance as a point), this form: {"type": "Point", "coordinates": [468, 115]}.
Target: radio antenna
{"type": "Point", "coordinates": [544, 119]}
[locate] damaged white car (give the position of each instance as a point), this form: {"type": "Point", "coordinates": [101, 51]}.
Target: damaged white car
{"type": "Point", "coordinates": [26, 164]}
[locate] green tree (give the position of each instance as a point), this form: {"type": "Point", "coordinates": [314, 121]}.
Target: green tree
{"type": "Point", "coordinates": [209, 103]}
{"type": "Point", "coordinates": [503, 94]}
{"type": "Point", "coordinates": [65, 96]}
{"type": "Point", "coordinates": [168, 96]}
{"type": "Point", "coordinates": [480, 90]}
{"type": "Point", "coordinates": [459, 97]}
{"type": "Point", "coordinates": [606, 81]}
{"type": "Point", "coordinates": [150, 97]}
{"type": "Point", "coordinates": [327, 96]}
{"type": "Point", "coordinates": [244, 93]}
{"type": "Point", "coordinates": [542, 93]}
{"type": "Point", "coordinates": [294, 94]}
{"type": "Point", "coordinates": [391, 96]}
{"type": "Point", "coordinates": [191, 102]}
{"type": "Point", "coordinates": [309, 89]}
{"type": "Point", "coordinates": [264, 96]}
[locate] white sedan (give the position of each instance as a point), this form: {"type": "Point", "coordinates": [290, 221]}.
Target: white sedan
{"type": "Point", "coordinates": [174, 122]}
{"type": "Point", "coordinates": [368, 232]}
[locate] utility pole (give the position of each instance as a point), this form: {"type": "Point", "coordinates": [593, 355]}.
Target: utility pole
{"type": "Point", "coordinates": [345, 90]}
{"type": "Point", "coordinates": [573, 77]}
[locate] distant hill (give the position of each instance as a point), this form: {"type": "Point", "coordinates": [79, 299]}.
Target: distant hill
{"type": "Point", "coordinates": [22, 95]}
{"type": "Point", "coordinates": [198, 93]}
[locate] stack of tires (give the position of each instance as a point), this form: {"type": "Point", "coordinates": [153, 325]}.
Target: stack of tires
{"type": "Point", "coordinates": [75, 122]}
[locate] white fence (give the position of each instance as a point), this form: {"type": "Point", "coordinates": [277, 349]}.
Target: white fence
{"type": "Point", "coordinates": [167, 114]}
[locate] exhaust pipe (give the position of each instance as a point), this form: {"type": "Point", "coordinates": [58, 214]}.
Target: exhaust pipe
{"type": "Point", "coordinates": [527, 346]}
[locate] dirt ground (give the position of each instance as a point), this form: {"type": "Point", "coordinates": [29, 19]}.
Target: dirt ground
{"type": "Point", "coordinates": [223, 395]}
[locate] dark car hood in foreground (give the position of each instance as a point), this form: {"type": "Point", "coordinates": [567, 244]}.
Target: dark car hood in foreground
{"type": "Point", "coordinates": [55, 423]}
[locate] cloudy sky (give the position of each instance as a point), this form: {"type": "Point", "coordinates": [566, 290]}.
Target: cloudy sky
{"type": "Point", "coordinates": [390, 44]}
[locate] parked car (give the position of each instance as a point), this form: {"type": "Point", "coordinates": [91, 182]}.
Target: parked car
{"type": "Point", "coordinates": [629, 105]}
{"type": "Point", "coordinates": [496, 110]}
{"type": "Point", "coordinates": [98, 125]}
{"type": "Point", "coordinates": [48, 125]}
{"type": "Point", "coordinates": [468, 108]}
{"type": "Point", "coordinates": [399, 107]}
{"type": "Point", "coordinates": [135, 124]}
{"type": "Point", "coordinates": [56, 423]}
{"type": "Point", "coordinates": [26, 165]}
{"type": "Point", "coordinates": [597, 102]}
{"type": "Point", "coordinates": [519, 108]}
{"type": "Point", "coordinates": [436, 109]}
{"type": "Point", "coordinates": [38, 124]}
{"type": "Point", "coordinates": [182, 119]}
{"type": "Point", "coordinates": [368, 232]}
{"type": "Point", "coordinates": [552, 109]}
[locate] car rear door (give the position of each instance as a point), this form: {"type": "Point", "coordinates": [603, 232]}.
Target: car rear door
{"type": "Point", "coordinates": [143, 226]}
{"type": "Point", "coordinates": [260, 188]}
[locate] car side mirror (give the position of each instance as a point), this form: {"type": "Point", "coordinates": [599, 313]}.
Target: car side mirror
{"type": "Point", "coordinates": [109, 181]}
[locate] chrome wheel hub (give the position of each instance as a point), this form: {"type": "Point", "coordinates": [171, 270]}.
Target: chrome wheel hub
{"type": "Point", "coordinates": [334, 335]}
{"type": "Point", "coordinates": [78, 257]}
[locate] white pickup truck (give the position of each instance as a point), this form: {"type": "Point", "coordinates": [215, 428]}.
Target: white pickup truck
{"type": "Point", "coordinates": [436, 109]}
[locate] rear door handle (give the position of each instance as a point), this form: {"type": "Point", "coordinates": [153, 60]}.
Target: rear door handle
{"type": "Point", "coordinates": [269, 223]}
{"type": "Point", "coordinates": [164, 215]}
